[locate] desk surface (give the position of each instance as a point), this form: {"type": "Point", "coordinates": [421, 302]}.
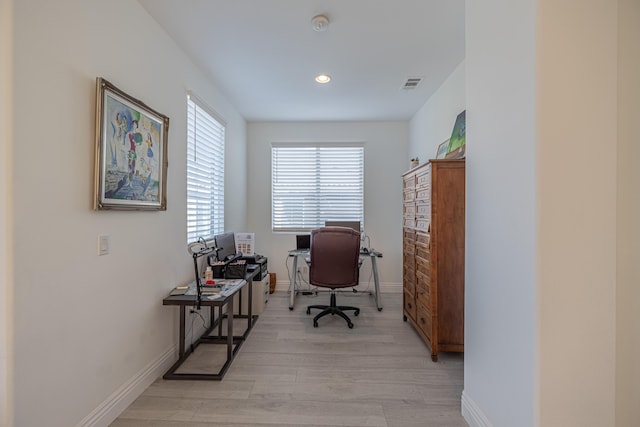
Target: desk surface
{"type": "Point", "coordinates": [302, 252]}
{"type": "Point", "coordinates": [190, 297]}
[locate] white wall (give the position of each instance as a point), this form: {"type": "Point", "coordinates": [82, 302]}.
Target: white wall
{"type": "Point", "coordinates": [386, 159]}
{"type": "Point", "coordinates": [433, 123]}
{"type": "Point", "coordinates": [89, 326]}
{"type": "Point", "coordinates": [541, 184]}
{"type": "Point", "coordinates": [6, 268]}
{"type": "Point", "coordinates": [501, 276]}
{"type": "Point", "coordinates": [628, 291]}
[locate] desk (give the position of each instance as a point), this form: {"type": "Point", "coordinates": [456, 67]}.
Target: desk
{"type": "Point", "coordinates": [233, 342]}
{"type": "Point", "coordinates": [372, 254]}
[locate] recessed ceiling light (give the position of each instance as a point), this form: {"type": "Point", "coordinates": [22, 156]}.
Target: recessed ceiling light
{"type": "Point", "coordinates": [323, 78]}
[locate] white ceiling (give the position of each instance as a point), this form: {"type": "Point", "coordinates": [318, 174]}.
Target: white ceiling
{"type": "Point", "coordinates": [264, 54]}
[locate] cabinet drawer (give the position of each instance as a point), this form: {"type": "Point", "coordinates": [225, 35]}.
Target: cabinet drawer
{"type": "Point", "coordinates": [409, 305]}
{"type": "Point", "coordinates": [409, 182]}
{"type": "Point", "coordinates": [423, 289]}
{"type": "Point", "coordinates": [409, 286]}
{"type": "Point", "coordinates": [424, 320]}
{"type": "Point", "coordinates": [423, 178]}
{"type": "Point", "coordinates": [409, 196]}
{"type": "Point", "coordinates": [423, 265]}
{"type": "Point", "coordinates": [409, 248]}
{"type": "Point", "coordinates": [409, 222]}
{"type": "Point", "coordinates": [423, 280]}
{"type": "Point", "coordinates": [409, 209]}
{"type": "Point", "coordinates": [422, 238]}
{"type": "Point", "coordinates": [423, 252]}
{"type": "Point", "coordinates": [421, 224]}
{"type": "Point", "coordinates": [422, 210]}
{"type": "Point", "coordinates": [423, 194]}
{"type": "Point", "coordinates": [409, 272]}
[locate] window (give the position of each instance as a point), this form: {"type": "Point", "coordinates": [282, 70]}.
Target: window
{"type": "Point", "coordinates": [312, 183]}
{"type": "Point", "coordinates": [205, 172]}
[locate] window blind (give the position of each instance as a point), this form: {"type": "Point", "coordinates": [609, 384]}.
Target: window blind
{"type": "Point", "coordinates": [205, 172]}
{"type": "Point", "coordinates": [313, 183]}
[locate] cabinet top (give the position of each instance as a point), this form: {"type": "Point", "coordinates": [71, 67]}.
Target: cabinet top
{"type": "Point", "coordinates": [433, 161]}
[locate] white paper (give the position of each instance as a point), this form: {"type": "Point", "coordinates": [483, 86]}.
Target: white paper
{"type": "Point", "coordinates": [245, 243]}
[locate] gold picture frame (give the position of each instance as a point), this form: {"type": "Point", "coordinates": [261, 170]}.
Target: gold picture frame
{"type": "Point", "coordinates": [130, 152]}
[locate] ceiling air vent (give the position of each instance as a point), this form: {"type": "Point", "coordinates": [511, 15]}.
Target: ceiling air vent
{"type": "Point", "coordinates": [411, 83]}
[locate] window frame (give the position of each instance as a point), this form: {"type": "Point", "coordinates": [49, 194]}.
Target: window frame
{"type": "Point", "coordinates": [333, 200]}
{"type": "Point", "coordinates": [205, 176]}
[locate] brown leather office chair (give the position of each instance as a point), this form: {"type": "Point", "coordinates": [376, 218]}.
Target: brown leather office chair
{"type": "Point", "coordinates": [335, 253]}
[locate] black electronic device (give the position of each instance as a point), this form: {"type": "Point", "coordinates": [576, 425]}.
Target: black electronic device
{"type": "Point", "coordinates": [226, 242]}
{"type": "Point", "coordinates": [260, 263]}
{"type": "Point", "coordinates": [253, 259]}
{"type": "Point", "coordinates": [221, 269]}
{"type": "Point", "coordinates": [303, 242]}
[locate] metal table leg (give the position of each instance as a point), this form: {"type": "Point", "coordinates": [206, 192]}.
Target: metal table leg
{"type": "Point", "coordinates": [292, 283]}
{"type": "Point", "coordinates": [376, 281]}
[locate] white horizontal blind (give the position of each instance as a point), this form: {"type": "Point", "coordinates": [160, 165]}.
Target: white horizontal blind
{"type": "Point", "coordinates": [205, 173]}
{"type": "Point", "coordinates": [313, 183]}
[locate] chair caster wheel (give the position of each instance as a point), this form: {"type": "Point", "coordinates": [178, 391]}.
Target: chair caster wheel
{"type": "Point", "coordinates": [350, 325]}
{"type": "Point", "coordinates": [308, 311]}
{"type": "Point", "coordinates": [355, 313]}
{"type": "Point", "coordinates": [315, 324]}
{"type": "Point", "coordinates": [290, 308]}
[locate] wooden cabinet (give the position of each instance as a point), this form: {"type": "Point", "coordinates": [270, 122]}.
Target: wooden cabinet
{"type": "Point", "coordinates": [433, 253]}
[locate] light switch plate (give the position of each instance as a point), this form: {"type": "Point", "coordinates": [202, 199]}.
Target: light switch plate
{"type": "Point", "coordinates": [103, 245]}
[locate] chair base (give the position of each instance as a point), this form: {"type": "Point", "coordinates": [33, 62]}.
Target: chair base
{"type": "Point", "coordinates": [333, 309]}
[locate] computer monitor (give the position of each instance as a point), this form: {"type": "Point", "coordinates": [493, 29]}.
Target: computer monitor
{"type": "Point", "coordinates": [349, 224]}
{"type": "Point", "coordinates": [226, 243]}
{"type": "Point", "coordinates": [303, 242]}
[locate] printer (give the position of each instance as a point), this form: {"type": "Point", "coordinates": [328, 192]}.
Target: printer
{"type": "Point", "coordinates": [260, 263]}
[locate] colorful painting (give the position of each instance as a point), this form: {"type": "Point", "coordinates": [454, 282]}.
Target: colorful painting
{"type": "Point", "coordinates": [442, 149]}
{"type": "Point", "coordinates": [457, 141]}
{"type": "Point", "coordinates": [131, 162]}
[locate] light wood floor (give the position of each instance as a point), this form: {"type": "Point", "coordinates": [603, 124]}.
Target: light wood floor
{"type": "Point", "coordinates": [289, 373]}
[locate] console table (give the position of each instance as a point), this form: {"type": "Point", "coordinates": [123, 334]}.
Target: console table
{"type": "Point", "coordinates": [233, 342]}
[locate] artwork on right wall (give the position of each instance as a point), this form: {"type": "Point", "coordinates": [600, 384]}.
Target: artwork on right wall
{"type": "Point", "coordinates": [457, 142]}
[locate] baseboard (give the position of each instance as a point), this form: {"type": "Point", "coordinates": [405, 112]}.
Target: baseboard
{"type": "Point", "coordinates": [119, 400]}
{"type": "Point", "coordinates": [282, 285]}
{"type": "Point", "coordinates": [472, 413]}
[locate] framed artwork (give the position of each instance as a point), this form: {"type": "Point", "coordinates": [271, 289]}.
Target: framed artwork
{"type": "Point", "coordinates": [457, 142]}
{"type": "Point", "coordinates": [131, 152]}
{"type": "Point", "coordinates": [442, 150]}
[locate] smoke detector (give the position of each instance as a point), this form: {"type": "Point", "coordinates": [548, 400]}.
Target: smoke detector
{"type": "Point", "coordinates": [320, 23]}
